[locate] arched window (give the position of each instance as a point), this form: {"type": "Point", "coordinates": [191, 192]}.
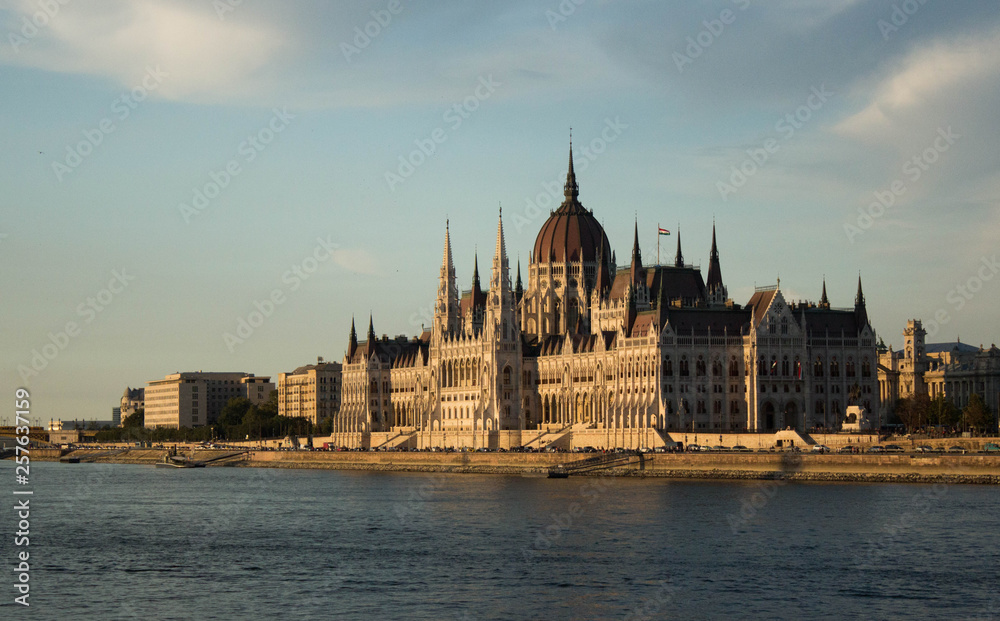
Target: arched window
{"type": "Point", "coordinates": [668, 367]}
{"type": "Point", "coordinates": [734, 367]}
{"type": "Point", "coordinates": [506, 376]}
{"type": "Point", "coordinates": [834, 367]}
{"type": "Point", "coordinates": [684, 370]}
{"type": "Point", "coordinates": [700, 367]}
{"type": "Point", "coordinates": [866, 368]}
{"type": "Point", "coordinates": [850, 367]}
{"type": "Point", "coordinates": [785, 368]}
{"type": "Point", "coordinates": [818, 367]}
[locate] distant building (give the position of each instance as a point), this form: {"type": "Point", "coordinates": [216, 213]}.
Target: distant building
{"type": "Point", "coordinates": [955, 370]}
{"type": "Point", "coordinates": [311, 391]}
{"type": "Point", "coordinates": [195, 399]}
{"type": "Point", "coordinates": [116, 417]}
{"type": "Point", "coordinates": [133, 400]}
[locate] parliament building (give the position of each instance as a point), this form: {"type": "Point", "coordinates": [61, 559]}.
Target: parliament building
{"type": "Point", "coordinates": [620, 352]}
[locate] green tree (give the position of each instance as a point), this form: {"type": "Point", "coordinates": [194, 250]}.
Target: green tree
{"type": "Point", "coordinates": [976, 414]}
{"type": "Point", "coordinates": [943, 412]}
{"type": "Point", "coordinates": [135, 420]}
{"type": "Point", "coordinates": [234, 412]}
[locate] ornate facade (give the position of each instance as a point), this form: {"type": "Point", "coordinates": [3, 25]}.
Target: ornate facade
{"type": "Point", "coordinates": [955, 370]}
{"type": "Point", "coordinates": [593, 345]}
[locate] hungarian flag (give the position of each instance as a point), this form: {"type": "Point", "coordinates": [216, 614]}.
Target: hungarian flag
{"type": "Point", "coordinates": [798, 369]}
{"type": "Point", "coordinates": [664, 231]}
{"type": "Point", "coordinates": [774, 367]}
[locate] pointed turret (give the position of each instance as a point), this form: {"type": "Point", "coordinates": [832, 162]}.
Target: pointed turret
{"type": "Point", "coordinates": [500, 276]}
{"type": "Point", "coordinates": [446, 308]}
{"type": "Point", "coordinates": [636, 269]}
{"type": "Point", "coordinates": [518, 287]}
{"type": "Point", "coordinates": [860, 312]}
{"type": "Point", "coordinates": [824, 302]}
{"type": "Point", "coordinates": [371, 330]}
{"type": "Point", "coordinates": [714, 266]}
{"type": "Point", "coordinates": [603, 279]}
{"type": "Point", "coordinates": [571, 191]}
{"type": "Point", "coordinates": [679, 258]}
{"type": "Point", "coordinates": [475, 275]}
{"type": "Point", "coordinates": [352, 343]}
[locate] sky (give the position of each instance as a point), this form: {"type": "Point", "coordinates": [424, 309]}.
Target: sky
{"type": "Point", "coordinates": [175, 170]}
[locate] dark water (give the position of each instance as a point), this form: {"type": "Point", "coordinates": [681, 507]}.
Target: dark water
{"type": "Point", "coordinates": [135, 542]}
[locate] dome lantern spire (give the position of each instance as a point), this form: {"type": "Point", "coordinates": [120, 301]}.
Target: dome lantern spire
{"type": "Point", "coordinates": [571, 191]}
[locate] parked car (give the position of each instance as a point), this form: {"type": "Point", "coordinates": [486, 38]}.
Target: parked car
{"type": "Point", "coordinates": [893, 448]}
{"type": "Point", "coordinates": [848, 449]}
{"type": "Point", "coordinates": [820, 448]}
{"type": "Point", "coordinates": [956, 449]}
{"type": "Point", "coordinates": [875, 449]}
{"type": "Point", "coordinates": [991, 447]}
{"type": "Point", "coordinates": [741, 449]}
{"type": "Point", "coordinates": [694, 448]}
{"type": "Point", "coordinates": [924, 448]}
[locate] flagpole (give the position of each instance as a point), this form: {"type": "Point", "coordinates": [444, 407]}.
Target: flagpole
{"type": "Point", "coordinates": [657, 243]}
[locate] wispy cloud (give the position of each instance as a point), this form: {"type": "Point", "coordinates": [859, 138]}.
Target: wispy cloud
{"type": "Point", "coordinates": [208, 58]}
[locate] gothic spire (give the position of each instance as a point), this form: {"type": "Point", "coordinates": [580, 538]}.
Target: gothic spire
{"type": "Point", "coordinates": [571, 190]}
{"type": "Point", "coordinates": [824, 302]}
{"type": "Point", "coordinates": [500, 277]}
{"type": "Point", "coordinates": [352, 344]}
{"type": "Point", "coordinates": [860, 312]}
{"type": "Point", "coordinates": [603, 279]}
{"type": "Point", "coordinates": [518, 287]}
{"type": "Point", "coordinates": [371, 330]}
{"type": "Point", "coordinates": [714, 266]}
{"type": "Point", "coordinates": [475, 275]}
{"type": "Point", "coordinates": [679, 259]}
{"type": "Point", "coordinates": [636, 270]}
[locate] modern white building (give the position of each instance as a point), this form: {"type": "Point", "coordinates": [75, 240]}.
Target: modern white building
{"type": "Point", "coordinates": [194, 399]}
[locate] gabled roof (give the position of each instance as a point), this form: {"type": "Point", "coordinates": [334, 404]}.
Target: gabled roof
{"type": "Point", "coordinates": [668, 283]}
{"type": "Point", "coordinates": [760, 302]}
{"type": "Point", "coordinates": [644, 324]}
{"type": "Point", "coordinates": [704, 321]}
{"type": "Point", "coordinates": [821, 321]}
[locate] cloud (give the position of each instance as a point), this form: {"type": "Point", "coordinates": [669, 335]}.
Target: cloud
{"type": "Point", "coordinates": [206, 57]}
{"type": "Point", "coordinates": [932, 86]}
{"type": "Point", "coordinates": [356, 260]}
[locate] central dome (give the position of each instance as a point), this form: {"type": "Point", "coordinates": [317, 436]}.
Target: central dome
{"type": "Point", "coordinates": [571, 233]}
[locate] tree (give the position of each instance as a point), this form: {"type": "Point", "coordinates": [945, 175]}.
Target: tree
{"type": "Point", "coordinates": [234, 411]}
{"type": "Point", "coordinates": [943, 412]}
{"type": "Point", "coordinates": [976, 414]}
{"type": "Point", "coordinates": [913, 411]}
{"type": "Point", "coordinates": [134, 420]}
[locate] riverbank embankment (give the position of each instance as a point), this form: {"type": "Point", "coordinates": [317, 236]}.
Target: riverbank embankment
{"type": "Point", "coordinates": [895, 468]}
